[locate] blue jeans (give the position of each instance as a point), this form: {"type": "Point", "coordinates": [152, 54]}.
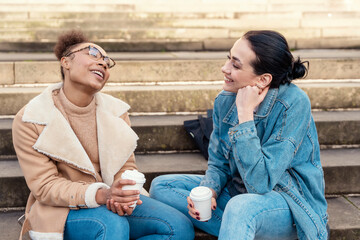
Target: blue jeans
{"type": "Point", "coordinates": [150, 220]}
{"type": "Point", "coordinates": [244, 216]}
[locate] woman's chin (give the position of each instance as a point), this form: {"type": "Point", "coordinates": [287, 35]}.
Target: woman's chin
{"type": "Point", "coordinates": [229, 89]}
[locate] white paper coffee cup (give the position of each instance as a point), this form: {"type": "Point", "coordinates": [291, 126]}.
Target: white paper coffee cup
{"type": "Point", "coordinates": [138, 177]}
{"type": "Point", "coordinates": [201, 197]}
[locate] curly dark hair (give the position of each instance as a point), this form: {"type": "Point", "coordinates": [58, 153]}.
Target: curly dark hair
{"type": "Point", "coordinates": [66, 42]}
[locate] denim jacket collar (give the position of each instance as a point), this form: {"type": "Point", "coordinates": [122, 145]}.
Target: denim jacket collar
{"type": "Point", "coordinates": [263, 111]}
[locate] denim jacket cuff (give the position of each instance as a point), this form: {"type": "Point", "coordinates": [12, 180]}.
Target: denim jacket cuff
{"type": "Point", "coordinates": [242, 129]}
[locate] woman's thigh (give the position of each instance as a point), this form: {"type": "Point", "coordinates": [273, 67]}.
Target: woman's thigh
{"type": "Point", "coordinates": [95, 223]}
{"type": "Point", "coordinates": [255, 216]}
{"type": "Point", "coordinates": [174, 189]}
{"type": "Point", "coordinates": [155, 220]}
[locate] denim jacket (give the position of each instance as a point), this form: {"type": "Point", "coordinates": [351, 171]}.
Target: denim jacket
{"type": "Point", "coordinates": [277, 151]}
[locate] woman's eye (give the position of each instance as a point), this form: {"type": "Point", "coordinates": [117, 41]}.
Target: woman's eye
{"type": "Point", "coordinates": [236, 66]}
{"type": "Point", "coordinates": [228, 57]}
{"type": "Point", "coordinates": [94, 52]}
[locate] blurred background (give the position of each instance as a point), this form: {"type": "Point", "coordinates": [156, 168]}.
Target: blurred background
{"type": "Point", "coordinates": [169, 25]}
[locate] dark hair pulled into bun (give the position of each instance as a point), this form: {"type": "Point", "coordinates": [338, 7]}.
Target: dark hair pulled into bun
{"type": "Point", "coordinates": [299, 70]}
{"type": "Point", "coordinates": [66, 42]}
{"type": "Point", "coordinates": [273, 56]}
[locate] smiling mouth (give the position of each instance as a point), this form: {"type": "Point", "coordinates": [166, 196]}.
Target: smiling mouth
{"type": "Point", "coordinates": [98, 73]}
{"type": "Point", "coordinates": [227, 79]}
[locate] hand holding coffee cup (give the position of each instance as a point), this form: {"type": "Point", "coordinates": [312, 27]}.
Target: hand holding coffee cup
{"type": "Point", "coordinates": [117, 200]}
{"type": "Point", "coordinates": [136, 176]}
{"type": "Point", "coordinates": [201, 202]}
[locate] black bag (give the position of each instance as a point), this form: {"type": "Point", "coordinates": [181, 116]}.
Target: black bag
{"type": "Point", "coordinates": [200, 130]}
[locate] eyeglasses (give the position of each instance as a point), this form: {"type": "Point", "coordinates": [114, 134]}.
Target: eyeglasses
{"type": "Point", "coordinates": [96, 55]}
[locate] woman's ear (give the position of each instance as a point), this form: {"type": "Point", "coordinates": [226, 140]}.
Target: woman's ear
{"type": "Point", "coordinates": [264, 80]}
{"type": "Point", "coordinates": [64, 62]}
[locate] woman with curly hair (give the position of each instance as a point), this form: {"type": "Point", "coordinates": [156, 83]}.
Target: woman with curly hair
{"type": "Point", "coordinates": [73, 143]}
{"type": "Point", "coordinates": [264, 166]}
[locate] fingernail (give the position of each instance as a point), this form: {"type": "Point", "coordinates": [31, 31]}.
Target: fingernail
{"type": "Point", "coordinates": [191, 205]}
{"type": "Point", "coordinates": [197, 213]}
{"type": "Point", "coordinates": [198, 218]}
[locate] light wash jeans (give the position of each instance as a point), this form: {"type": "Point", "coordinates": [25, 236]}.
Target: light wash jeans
{"type": "Point", "coordinates": [150, 220]}
{"type": "Point", "coordinates": [244, 216]}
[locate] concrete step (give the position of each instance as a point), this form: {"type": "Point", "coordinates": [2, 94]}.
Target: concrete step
{"type": "Point", "coordinates": [184, 6]}
{"type": "Point", "coordinates": [343, 210]}
{"type": "Point", "coordinates": [61, 7]}
{"type": "Point", "coordinates": [190, 97]}
{"type": "Point", "coordinates": [171, 25]}
{"type": "Point", "coordinates": [183, 44]}
{"type": "Point", "coordinates": [345, 55]}
{"type": "Point", "coordinates": [166, 132]}
{"type": "Point", "coordinates": [337, 37]}
{"type": "Point", "coordinates": [319, 18]}
{"type": "Point", "coordinates": [341, 168]}
{"type": "Point", "coordinates": [181, 67]}
{"type": "Point", "coordinates": [243, 21]}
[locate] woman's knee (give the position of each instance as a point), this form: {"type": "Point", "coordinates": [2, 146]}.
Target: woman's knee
{"type": "Point", "coordinates": [244, 206]}
{"type": "Point", "coordinates": [160, 180]}
{"type": "Point", "coordinates": [171, 181]}
{"type": "Point", "coordinates": [158, 184]}
{"type": "Point", "coordinates": [98, 223]}
{"type": "Point", "coordinates": [115, 225]}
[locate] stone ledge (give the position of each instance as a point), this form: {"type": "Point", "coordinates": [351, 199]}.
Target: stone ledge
{"type": "Point", "coordinates": [325, 95]}
{"type": "Point", "coordinates": [344, 222]}
{"type": "Point", "coordinates": [168, 70]}
{"type": "Point", "coordinates": [335, 168]}
{"type": "Point", "coordinates": [166, 132]}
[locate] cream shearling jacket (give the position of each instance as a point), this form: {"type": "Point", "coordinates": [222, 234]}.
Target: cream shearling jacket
{"type": "Point", "coordinates": [57, 169]}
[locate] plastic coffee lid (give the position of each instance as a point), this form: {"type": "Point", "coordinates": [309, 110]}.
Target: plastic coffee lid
{"type": "Point", "coordinates": [200, 193]}
{"type": "Point", "coordinates": [134, 175]}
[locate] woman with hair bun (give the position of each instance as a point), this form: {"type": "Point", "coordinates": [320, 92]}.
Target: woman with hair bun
{"type": "Point", "coordinates": [73, 143]}
{"type": "Point", "coordinates": [264, 165]}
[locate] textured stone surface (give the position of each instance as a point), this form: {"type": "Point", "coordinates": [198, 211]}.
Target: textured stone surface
{"type": "Point", "coordinates": [340, 170]}
{"type": "Point", "coordinates": [170, 70]}
{"type": "Point", "coordinates": [37, 72]}
{"type": "Point", "coordinates": [190, 98]}
{"type": "Point", "coordinates": [344, 219]}
{"type": "Point", "coordinates": [166, 133]}
{"type": "Point", "coordinates": [7, 75]}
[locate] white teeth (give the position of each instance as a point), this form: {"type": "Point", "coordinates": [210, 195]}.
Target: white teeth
{"type": "Point", "coordinates": [98, 73]}
{"type": "Point", "coordinates": [226, 79]}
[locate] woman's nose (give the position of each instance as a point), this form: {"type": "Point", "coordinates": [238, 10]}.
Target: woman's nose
{"type": "Point", "coordinates": [225, 68]}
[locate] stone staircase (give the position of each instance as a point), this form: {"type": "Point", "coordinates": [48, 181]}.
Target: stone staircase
{"type": "Point", "coordinates": [168, 71]}
{"type": "Point", "coordinates": [169, 25]}
{"type": "Point", "coordinates": [178, 86]}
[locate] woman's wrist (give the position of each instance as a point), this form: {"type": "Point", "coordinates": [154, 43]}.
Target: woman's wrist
{"type": "Point", "coordinates": [100, 196]}
{"type": "Point", "coordinates": [245, 116]}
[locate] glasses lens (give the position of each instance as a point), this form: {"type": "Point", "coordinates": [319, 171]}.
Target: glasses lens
{"type": "Point", "coordinates": [93, 51]}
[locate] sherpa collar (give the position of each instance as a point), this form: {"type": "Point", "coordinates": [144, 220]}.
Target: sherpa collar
{"type": "Point", "coordinates": [116, 140]}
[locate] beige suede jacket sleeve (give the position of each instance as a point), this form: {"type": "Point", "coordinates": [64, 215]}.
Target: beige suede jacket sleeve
{"type": "Point", "coordinates": [47, 184]}
{"type": "Point", "coordinates": [41, 173]}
